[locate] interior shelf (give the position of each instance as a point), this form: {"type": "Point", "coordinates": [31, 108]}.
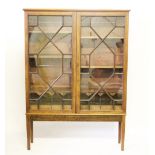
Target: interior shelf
{"type": "Point", "coordinates": [101, 66]}
{"type": "Point", "coordinates": [67, 56]}
{"type": "Point", "coordinates": [95, 37]}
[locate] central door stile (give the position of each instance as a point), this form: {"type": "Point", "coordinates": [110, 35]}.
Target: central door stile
{"type": "Point", "coordinates": [78, 64]}
{"type": "Point", "coordinates": [74, 72]}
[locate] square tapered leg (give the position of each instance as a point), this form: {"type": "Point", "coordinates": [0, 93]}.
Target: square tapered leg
{"type": "Point", "coordinates": [122, 132]}
{"type": "Point", "coordinates": [28, 127]}
{"type": "Point", "coordinates": [119, 132]}
{"type": "Point", "coordinates": [31, 131]}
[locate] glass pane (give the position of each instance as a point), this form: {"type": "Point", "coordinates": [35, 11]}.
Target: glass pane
{"type": "Point", "coordinates": [102, 40]}
{"type": "Point", "coordinates": [103, 25]}
{"type": "Point", "coordinates": [102, 56]}
{"type": "Point", "coordinates": [67, 67]}
{"type": "Point", "coordinates": [37, 87]}
{"type": "Point", "coordinates": [50, 25]}
{"type": "Point", "coordinates": [63, 40]}
{"type": "Point", "coordinates": [37, 40]}
{"type": "Point", "coordinates": [50, 62]}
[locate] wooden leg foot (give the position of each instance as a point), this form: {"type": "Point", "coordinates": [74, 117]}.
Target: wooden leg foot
{"type": "Point", "coordinates": [31, 131]}
{"type": "Point", "coordinates": [119, 132]}
{"type": "Point", "coordinates": [122, 132]}
{"type": "Point", "coordinates": [28, 125]}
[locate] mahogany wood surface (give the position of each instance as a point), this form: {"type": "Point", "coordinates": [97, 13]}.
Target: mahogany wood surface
{"type": "Point", "coordinates": [75, 113]}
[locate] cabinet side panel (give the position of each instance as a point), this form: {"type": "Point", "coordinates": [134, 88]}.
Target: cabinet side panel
{"type": "Point", "coordinates": [125, 62]}
{"type": "Point", "coordinates": [26, 62]}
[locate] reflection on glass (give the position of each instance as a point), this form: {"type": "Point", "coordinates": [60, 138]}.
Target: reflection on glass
{"type": "Point", "coordinates": [63, 40]}
{"type": "Point", "coordinates": [37, 40]}
{"type": "Point", "coordinates": [102, 43]}
{"type": "Point", "coordinates": [50, 57]}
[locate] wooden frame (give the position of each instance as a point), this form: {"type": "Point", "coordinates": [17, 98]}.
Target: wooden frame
{"type": "Point", "coordinates": [105, 13]}
{"type": "Point", "coordinates": [76, 114]}
{"type": "Point", "coordinates": [73, 52]}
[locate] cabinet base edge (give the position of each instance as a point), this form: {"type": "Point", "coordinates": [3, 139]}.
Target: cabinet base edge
{"type": "Point", "coordinates": [117, 118]}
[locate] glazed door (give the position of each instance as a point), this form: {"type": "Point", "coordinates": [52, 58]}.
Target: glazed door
{"type": "Point", "coordinates": [51, 55]}
{"type": "Point", "coordinates": [100, 55]}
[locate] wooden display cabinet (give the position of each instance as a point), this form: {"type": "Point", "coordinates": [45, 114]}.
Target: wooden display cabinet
{"type": "Point", "coordinates": [76, 66]}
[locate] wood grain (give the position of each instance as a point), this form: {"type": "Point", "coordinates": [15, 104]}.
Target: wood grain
{"type": "Point", "coordinates": [75, 111]}
{"type": "Point", "coordinates": [76, 118]}
{"type": "Point", "coordinates": [122, 132]}
{"type": "Point", "coordinates": [26, 63]}
{"type": "Point", "coordinates": [31, 130]}
{"type": "Point", "coordinates": [28, 127]}
{"type": "Point", "coordinates": [125, 63]}
{"type": "Point", "coordinates": [72, 10]}
{"type": "Point", "coordinates": [73, 63]}
{"type": "Point", "coordinates": [119, 132]}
